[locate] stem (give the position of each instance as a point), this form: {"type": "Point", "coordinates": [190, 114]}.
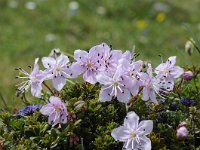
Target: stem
{"type": "Point", "coordinates": [82, 146]}
{"type": "Point", "coordinates": [126, 105]}
{"type": "Point", "coordinates": [196, 86]}
{"type": "Point", "coordinates": [48, 88]}
{"type": "Point", "coordinates": [4, 102]}
{"type": "Point", "coordinates": [25, 99]}
{"type": "Point", "coordinates": [193, 125]}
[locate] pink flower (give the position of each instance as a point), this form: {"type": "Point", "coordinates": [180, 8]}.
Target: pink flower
{"type": "Point", "coordinates": [154, 85]}
{"type": "Point", "coordinates": [110, 59]}
{"type": "Point", "coordinates": [131, 72]}
{"type": "Point", "coordinates": [182, 132]}
{"type": "Point", "coordinates": [56, 110]}
{"type": "Point", "coordinates": [34, 79]}
{"type": "Point", "coordinates": [133, 133]}
{"type": "Point", "coordinates": [114, 86]}
{"type": "Point", "coordinates": [168, 70]}
{"type": "Point", "coordinates": [88, 63]}
{"type": "Point", "coordinates": [58, 70]}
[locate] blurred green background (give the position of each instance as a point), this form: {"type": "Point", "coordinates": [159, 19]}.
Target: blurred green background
{"type": "Point", "coordinates": [30, 29]}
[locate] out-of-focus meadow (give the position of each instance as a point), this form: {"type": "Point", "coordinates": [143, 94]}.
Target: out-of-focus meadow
{"type": "Point", "coordinates": [30, 29]}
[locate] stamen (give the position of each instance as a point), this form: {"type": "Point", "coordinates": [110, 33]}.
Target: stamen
{"type": "Point", "coordinates": [23, 71]}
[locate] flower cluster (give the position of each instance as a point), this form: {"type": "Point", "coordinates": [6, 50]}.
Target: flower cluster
{"type": "Point", "coordinates": [120, 75]}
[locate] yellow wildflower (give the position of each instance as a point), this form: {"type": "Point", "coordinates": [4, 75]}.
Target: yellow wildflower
{"type": "Point", "coordinates": [160, 17]}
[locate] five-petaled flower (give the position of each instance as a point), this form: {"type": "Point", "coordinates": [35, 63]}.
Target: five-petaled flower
{"type": "Point", "coordinates": [58, 70]}
{"type": "Point", "coordinates": [113, 86]}
{"type": "Point", "coordinates": [56, 110]}
{"type": "Point", "coordinates": [88, 63]}
{"type": "Point", "coordinates": [133, 133]}
{"type": "Point", "coordinates": [35, 79]}
{"type": "Point", "coordinates": [168, 70]}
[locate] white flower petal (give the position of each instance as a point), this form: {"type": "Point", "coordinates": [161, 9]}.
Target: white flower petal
{"type": "Point", "coordinates": [124, 96]}
{"type": "Point", "coordinates": [55, 101]}
{"type": "Point", "coordinates": [104, 79]}
{"type": "Point", "coordinates": [145, 126]}
{"type": "Point", "coordinates": [36, 89]}
{"type": "Point", "coordinates": [145, 143]}
{"type": "Point", "coordinates": [131, 121]}
{"type": "Point", "coordinates": [104, 95]}
{"type": "Point", "coordinates": [152, 96]}
{"type": "Point", "coordinates": [58, 82]}
{"type": "Point", "coordinates": [47, 109]}
{"type": "Point", "coordinates": [62, 60]}
{"type": "Point", "coordinates": [80, 55]}
{"type": "Point", "coordinates": [171, 61]}
{"type": "Point", "coordinates": [116, 55]}
{"type": "Point", "coordinates": [36, 66]}
{"type": "Point", "coordinates": [160, 68]}
{"type": "Point", "coordinates": [145, 94]}
{"type": "Point", "coordinates": [48, 62]}
{"type": "Point", "coordinates": [130, 144]}
{"type": "Point", "coordinates": [77, 68]}
{"type": "Point", "coordinates": [90, 77]}
{"type": "Point", "coordinates": [121, 134]}
{"type": "Point", "coordinates": [176, 71]}
{"type": "Point", "coordinates": [52, 117]}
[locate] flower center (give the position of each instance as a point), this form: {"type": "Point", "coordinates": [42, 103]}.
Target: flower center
{"type": "Point", "coordinates": [133, 135]}
{"type": "Point", "coordinates": [166, 71]}
{"type": "Point", "coordinates": [115, 84]}
{"type": "Point", "coordinates": [89, 65]}
{"type": "Point", "coordinates": [33, 78]}
{"type": "Point", "coordinates": [59, 109]}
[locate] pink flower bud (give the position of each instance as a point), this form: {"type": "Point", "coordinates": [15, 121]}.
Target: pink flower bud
{"type": "Point", "coordinates": [188, 75]}
{"type": "Point", "coordinates": [182, 132]}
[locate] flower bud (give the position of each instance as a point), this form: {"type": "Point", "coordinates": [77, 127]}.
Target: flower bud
{"type": "Point", "coordinates": [189, 47]}
{"type": "Point", "coordinates": [182, 132]}
{"type": "Point", "coordinates": [188, 75]}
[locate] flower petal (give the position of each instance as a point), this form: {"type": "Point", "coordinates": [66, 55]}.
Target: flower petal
{"type": "Point", "coordinates": [160, 68]}
{"type": "Point", "coordinates": [152, 96]}
{"type": "Point", "coordinates": [36, 89]}
{"type": "Point", "coordinates": [121, 134]}
{"type": "Point", "coordinates": [104, 95]}
{"type": "Point", "coordinates": [145, 94]}
{"type": "Point", "coordinates": [63, 118]}
{"type": "Point", "coordinates": [36, 66]}
{"type": "Point", "coordinates": [62, 60]}
{"type": "Point", "coordinates": [130, 144]}
{"type": "Point", "coordinates": [146, 126]}
{"type": "Point", "coordinates": [124, 96]}
{"type": "Point", "coordinates": [90, 77]}
{"type": "Point", "coordinates": [104, 79]}
{"type": "Point", "coordinates": [77, 68]}
{"type": "Point", "coordinates": [97, 51]}
{"type": "Point", "coordinates": [171, 61]}
{"type": "Point", "coordinates": [176, 71]}
{"type": "Point", "coordinates": [115, 55]}
{"type": "Point", "coordinates": [55, 101]}
{"type": "Point", "coordinates": [48, 62]}
{"type": "Point", "coordinates": [52, 118]}
{"type": "Point", "coordinates": [145, 143]}
{"type": "Point", "coordinates": [80, 55]}
{"type": "Point", "coordinates": [58, 82]}
{"type": "Point", "coordinates": [47, 109]}
{"type": "Point", "coordinates": [131, 121]}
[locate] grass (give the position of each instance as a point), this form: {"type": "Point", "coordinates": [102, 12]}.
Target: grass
{"type": "Point", "coordinates": [24, 32]}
